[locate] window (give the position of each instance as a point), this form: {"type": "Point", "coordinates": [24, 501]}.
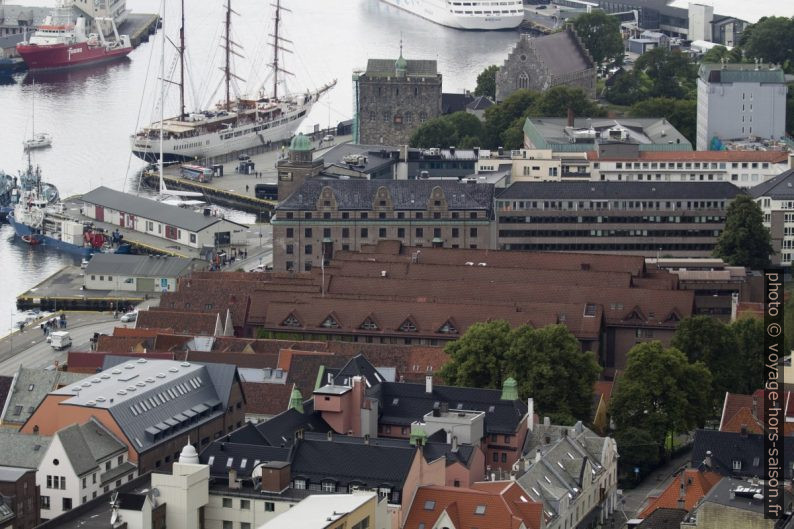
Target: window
{"type": "Point", "coordinates": [49, 482]}
{"type": "Point", "coordinates": [192, 239]}
{"type": "Point", "coordinates": [430, 505]}
{"type": "Point", "coordinates": [300, 484]}
{"type": "Point", "coordinates": [364, 232]}
{"type": "Point", "coordinates": [84, 482]}
{"type": "Point", "coordinates": [329, 486]}
{"type": "Point", "coordinates": [67, 504]}
{"type": "Point", "coordinates": [455, 233]}
{"type": "Point", "coordinates": [496, 457]}
{"type": "Point", "coordinates": [737, 464]}
{"type": "Point", "coordinates": [408, 326]}
{"type": "Point", "coordinates": [270, 506]}
{"type": "Point", "coordinates": [307, 249]}
{"type": "Point", "coordinates": [245, 525]}
{"type": "Point", "coordinates": [400, 233]}
{"type": "Point", "coordinates": [290, 233]}
{"type": "Point", "coordinates": [289, 249]}
{"type": "Point", "coordinates": [472, 232]}
{"type": "Point", "coordinates": [227, 503]}
{"type": "Point", "coordinates": [345, 233]}
{"type": "Point", "coordinates": [419, 232]}
{"type": "Point", "coordinates": [480, 509]}
{"type": "Point", "coordinates": [45, 502]}
{"type": "Point", "coordinates": [523, 80]}
{"type": "Point", "coordinates": [245, 504]}
{"type": "Point", "coordinates": [381, 232]}
{"type": "Point", "coordinates": [228, 524]}
{"type": "Point", "coordinates": [307, 232]}
{"type": "Point", "coordinates": [63, 484]}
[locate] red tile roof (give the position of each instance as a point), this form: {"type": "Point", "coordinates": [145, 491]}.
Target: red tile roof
{"type": "Point", "coordinates": [604, 388]}
{"type": "Point", "coordinates": [462, 505]}
{"type": "Point", "coordinates": [266, 399]}
{"type": "Point", "coordinates": [697, 483]}
{"type": "Point", "coordinates": [181, 322]}
{"type": "Point", "coordinates": [748, 410]}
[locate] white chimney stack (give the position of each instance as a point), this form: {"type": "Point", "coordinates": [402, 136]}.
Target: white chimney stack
{"type": "Point", "coordinates": [531, 414]}
{"type": "Point", "coordinates": [429, 384]}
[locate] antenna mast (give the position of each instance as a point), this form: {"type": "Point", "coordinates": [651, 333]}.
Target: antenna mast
{"type": "Point", "coordinates": [182, 64]}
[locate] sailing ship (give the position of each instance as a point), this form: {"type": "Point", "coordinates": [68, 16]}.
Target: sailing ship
{"type": "Point", "coordinates": [42, 139]}
{"type": "Point", "coordinates": [61, 43]}
{"type": "Point", "coordinates": [474, 14]}
{"type": "Point", "coordinates": [234, 125]}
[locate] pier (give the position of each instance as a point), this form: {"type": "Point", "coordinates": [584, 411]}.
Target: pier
{"type": "Point", "coordinates": [139, 26]}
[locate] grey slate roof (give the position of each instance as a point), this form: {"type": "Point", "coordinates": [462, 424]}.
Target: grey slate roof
{"type": "Point", "coordinates": [663, 518]}
{"type": "Point", "coordinates": [480, 103]}
{"type": "Point", "coordinates": [138, 265]}
{"type": "Point", "coordinates": [12, 474]}
{"type": "Point", "coordinates": [87, 445]}
{"type": "Point", "coordinates": [416, 68]}
{"type": "Point", "coordinates": [22, 450]}
{"type": "Point", "coordinates": [376, 158]}
{"type": "Point", "coordinates": [725, 447]}
{"type": "Point", "coordinates": [29, 388]}
{"type": "Point", "coordinates": [151, 400]}
{"type": "Point", "coordinates": [149, 209]}
{"type": "Point", "coordinates": [780, 187]}
{"type": "Point", "coordinates": [721, 495]}
{"type": "Point", "coordinates": [405, 194]}
{"type": "Point", "coordinates": [740, 73]}
{"type": "Point", "coordinates": [619, 190]}
{"type": "Point", "coordinates": [561, 53]}
{"type": "Point", "coordinates": [644, 131]}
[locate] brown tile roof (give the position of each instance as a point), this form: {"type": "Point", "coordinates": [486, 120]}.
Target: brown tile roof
{"type": "Point", "coordinates": [751, 411]}
{"type": "Point", "coordinates": [462, 504]}
{"type": "Point", "coordinates": [697, 483]}
{"type": "Point", "coordinates": [266, 399]}
{"type": "Point", "coordinates": [123, 344]}
{"type": "Point", "coordinates": [743, 419]}
{"type": "Point", "coordinates": [746, 308]}
{"type": "Point", "coordinates": [132, 332]}
{"type": "Point", "coordinates": [192, 323]}
{"type": "Point", "coordinates": [255, 360]}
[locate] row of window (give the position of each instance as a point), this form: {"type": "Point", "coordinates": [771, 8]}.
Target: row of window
{"type": "Point", "coordinates": [364, 215]}
{"type": "Point", "coordinates": [382, 233]}
{"type": "Point", "coordinates": [398, 118]}
{"type": "Point", "coordinates": [609, 233]}
{"type": "Point", "coordinates": [612, 219]}
{"type": "Point", "coordinates": [575, 205]}
{"type": "Point", "coordinates": [610, 247]}
{"type": "Point", "coordinates": [702, 177]}
{"type": "Point", "coordinates": [690, 165]}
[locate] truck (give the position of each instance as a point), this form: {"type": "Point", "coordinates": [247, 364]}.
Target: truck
{"type": "Point", "coordinates": [60, 340]}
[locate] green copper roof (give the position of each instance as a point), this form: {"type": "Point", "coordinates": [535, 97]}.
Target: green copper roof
{"type": "Point", "coordinates": [401, 64]}
{"type": "Point", "coordinates": [418, 435]}
{"type": "Point", "coordinates": [296, 399]}
{"type": "Point", "coordinates": [510, 389]}
{"type": "Point", "coordinates": [300, 143]}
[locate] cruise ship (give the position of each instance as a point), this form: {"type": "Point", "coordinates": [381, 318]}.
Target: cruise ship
{"type": "Point", "coordinates": [472, 14]}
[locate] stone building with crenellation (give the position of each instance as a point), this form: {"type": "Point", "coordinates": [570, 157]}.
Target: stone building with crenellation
{"type": "Point", "coordinates": [393, 98]}
{"type": "Point", "coordinates": [540, 63]}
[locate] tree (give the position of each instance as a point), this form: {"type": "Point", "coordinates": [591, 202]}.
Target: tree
{"type": "Point", "coordinates": [681, 113]}
{"type": "Point", "coordinates": [790, 111]}
{"type": "Point", "coordinates": [660, 392]}
{"type": "Point", "coordinates": [466, 126]}
{"type": "Point", "coordinates": [671, 73]}
{"type": "Point", "coordinates": [548, 364]}
{"type": "Point", "coordinates": [748, 333]}
{"type": "Point", "coordinates": [556, 101]}
{"type": "Point", "coordinates": [744, 241]}
{"type": "Point", "coordinates": [502, 116]}
{"type": "Point", "coordinates": [626, 88]}
{"type": "Point", "coordinates": [718, 53]}
{"type": "Point", "coordinates": [708, 340]}
{"type": "Point", "coordinates": [486, 82]}
{"type": "Point", "coordinates": [637, 448]}
{"type": "Point", "coordinates": [461, 129]}
{"type": "Point", "coordinates": [551, 367]}
{"type": "Point", "coordinates": [771, 39]}
{"type": "Point", "coordinates": [600, 34]}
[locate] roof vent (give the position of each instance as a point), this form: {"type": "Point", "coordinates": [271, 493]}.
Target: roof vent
{"type": "Point", "coordinates": [116, 372]}
{"type": "Point", "coordinates": [96, 380]}
{"type": "Point", "coordinates": [129, 366]}
{"type": "Point", "coordinates": [141, 360]}
{"type": "Point", "coordinates": [100, 399]}
{"type": "Point", "coordinates": [104, 376]}
{"type": "Point", "coordinates": [76, 389]}
{"type": "Point", "coordinates": [469, 263]}
{"type": "Point", "coordinates": [160, 375]}
{"type": "Point", "coordinates": [173, 370]}
{"type": "Point", "coordinates": [185, 364]}
{"type": "Point", "coordinates": [86, 384]}
{"type": "Point", "coordinates": [140, 384]}
{"type": "Point", "coordinates": [130, 388]}
{"type": "Point", "coordinates": [482, 264]}
{"type": "Point", "coordinates": [121, 392]}
{"type": "Point", "coordinates": [150, 380]}
{"type": "Point", "coordinates": [91, 403]}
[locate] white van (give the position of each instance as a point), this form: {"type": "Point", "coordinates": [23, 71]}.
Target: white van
{"type": "Point", "coordinates": [60, 340]}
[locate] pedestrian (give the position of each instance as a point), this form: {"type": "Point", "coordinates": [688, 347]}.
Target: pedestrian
{"type": "Point", "coordinates": [43, 331]}
{"type": "Point", "coordinates": [246, 188]}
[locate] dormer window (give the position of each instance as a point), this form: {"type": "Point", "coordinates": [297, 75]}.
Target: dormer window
{"type": "Point", "coordinates": [291, 321]}
{"type": "Point", "coordinates": [369, 325]}
{"type": "Point", "coordinates": [408, 326]}
{"type": "Point", "coordinates": [330, 323]}
{"type": "Point", "coordinates": [737, 464]}
{"type": "Point", "coordinates": [448, 328]}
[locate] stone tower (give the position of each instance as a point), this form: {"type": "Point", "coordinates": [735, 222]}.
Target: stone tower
{"type": "Point", "coordinates": [394, 97]}
{"type": "Point", "coordinates": [297, 166]}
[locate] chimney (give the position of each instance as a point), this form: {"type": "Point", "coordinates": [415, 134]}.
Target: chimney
{"type": "Point", "coordinates": [452, 150]}
{"type": "Point", "coordinates": [546, 421]}
{"type": "Point", "coordinates": [682, 491]}
{"type": "Point", "coordinates": [330, 435]}
{"type": "Point", "coordinates": [429, 384]}
{"type": "Point", "coordinates": [233, 483]}
{"type": "Point", "coordinates": [570, 117]}
{"type": "Point", "coordinates": [707, 460]}
{"type": "Point", "coordinates": [454, 443]}
{"type": "Point", "coordinates": [531, 414]}
{"type": "Point", "coordinates": [744, 430]}
{"type": "Point", "coordinates": [755, 407]}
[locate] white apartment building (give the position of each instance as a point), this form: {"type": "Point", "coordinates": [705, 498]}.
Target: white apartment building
{"type": "Point", "coordinates": [738, 101]}
{"type": "Point", "coordinates": [776, 198]}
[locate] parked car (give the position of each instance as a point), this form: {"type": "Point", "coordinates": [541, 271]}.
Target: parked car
{"type": "Point", "coordinates": [130, 317]}
{"type": "Point", "coordinates": [328, 137]}
{"type": "Point", "coordinates": [60, 340]}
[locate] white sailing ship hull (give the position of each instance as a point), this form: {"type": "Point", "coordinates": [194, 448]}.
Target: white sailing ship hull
{"type": "Point", "coordinates": [219, 143]}
{"type": "Point", "coordinates": [476, 15]}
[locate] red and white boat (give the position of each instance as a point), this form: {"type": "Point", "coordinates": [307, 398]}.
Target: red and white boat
{"type": "Point", "coordinates": [62, 42]}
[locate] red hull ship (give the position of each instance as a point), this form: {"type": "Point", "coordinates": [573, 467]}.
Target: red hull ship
{"type": "Point", "coordinates": [61, 43]}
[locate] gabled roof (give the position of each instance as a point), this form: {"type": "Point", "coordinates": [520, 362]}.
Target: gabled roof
{"type": "Point", "coordinates": [405, 194]}
{"type": "Point", "coordinates": [780, 187]}
{"type": "Point", "coordinates": [404, 403]}
{"type": "Point", "coordinates": [561, 52]}
{"type": "Point", "coordinates": [480, 103]}
{"type": "Point", "coordinates": [194, 323]}
{"type": "Point", "coordinates": [751, 408]}
{"type": "Point", "coordinates": [619, 190]}
{"type": "Point", "coordinates": [87, 445]}
{"type": "Point", "coordinates": [696, 484]}
{"type": "Point", "coordinates": [22, 450]}
{"type": "Point", "coordinates": [727, 447]}
{"type": "Point", "coordinates": [139, 265]}
{"type": "Point", "coordinates": [29, 388]}
{"type": "Point", "coordinates": [663, 518]}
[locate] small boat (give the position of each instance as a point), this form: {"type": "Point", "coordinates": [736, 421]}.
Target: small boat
{"type": "Point", "coordinates": [31, 239]}
{"type": "Point", "coordinates": [38, 141]}
{"type": "Point", "coordinates": [11, 65]}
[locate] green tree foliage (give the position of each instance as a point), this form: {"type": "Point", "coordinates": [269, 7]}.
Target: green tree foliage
{"type": "Point", "coordinates": [626, 88]}
{"type": "Point", "coordinates": [718, 53]}
{"type": "Point", "coordinates": [788, 324]}
{"type": "Point", "coordinates": [601, 35]}
{"type": "Point", "coordinates": [660, 392]}
{"type": "Point", "coordinates": [790, 111]}
{"type": "Point", "coordinates": [460, 129]}
{"type": "Point", "coordinates": [745, 241]}
{"type": "Point", "coordinates": [486, 82]}
{"type": "Point", "coordinates": [637, 448]}
{"type": "Point", "coordinates": [548, 364]}
{"type": "Point", "coordinates": [748, 333]}
{"type": "Point", "coordinates": [504, 115]}
{"type": "Point", "coordinates": [771, 39]}
{"type": "Point", "coordinates": [556, 101]}
{"type": "Point", "coordinates": [681, 113]}
{"type": "Point", "coordinates": [672, 74]}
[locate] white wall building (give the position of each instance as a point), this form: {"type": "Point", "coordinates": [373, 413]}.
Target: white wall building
{"type": "Point", "coordinates": [81, 463]}
{"type": "Point", "coordinates": [776, 199]}
{"type": "Point", "coordinates": [700, 17]}
{"type": "Point", "coordinates": [738, 101]}
{"type": "Point", "coordinates": [171, 223]}
{"type": "Point", "coordinates": [137, 273]}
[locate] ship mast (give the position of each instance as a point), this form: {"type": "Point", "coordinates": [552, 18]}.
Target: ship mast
{"type": "Point", "coordinates": [227, 69]}
{"type": "Point", "coordinates": [277, 40]}
{"type": "Point", "coordinates": [182, 64]}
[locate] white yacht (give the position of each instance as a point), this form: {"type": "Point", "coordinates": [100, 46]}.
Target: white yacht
{"type": "Point", "coordinates": [466, 14]}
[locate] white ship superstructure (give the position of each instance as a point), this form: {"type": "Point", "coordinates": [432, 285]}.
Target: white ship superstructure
{"type": "Point", "coordinates": [466, 14]}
